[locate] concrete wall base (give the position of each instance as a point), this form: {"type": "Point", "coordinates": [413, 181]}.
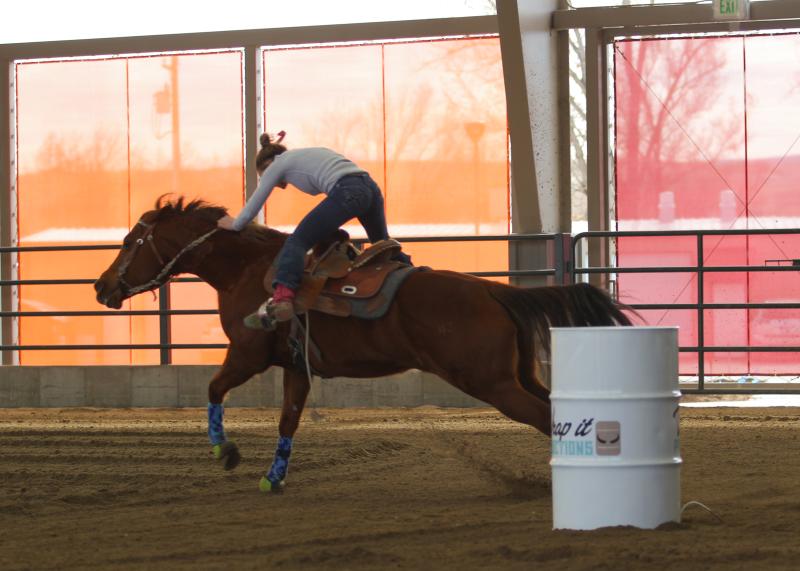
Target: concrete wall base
{"type": "Point", "coordinates": [187, 386]}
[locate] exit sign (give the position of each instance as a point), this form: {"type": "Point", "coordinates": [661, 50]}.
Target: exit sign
{"type": "Point", "coordinates": [731, 9]}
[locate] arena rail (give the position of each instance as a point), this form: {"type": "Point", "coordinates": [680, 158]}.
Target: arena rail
{"type": "Point", "coordinates": [564, 253]}
{"type": "Point", "coordinates": [165, 345]}
{"type": "Point", "coordinates": [700, 270]}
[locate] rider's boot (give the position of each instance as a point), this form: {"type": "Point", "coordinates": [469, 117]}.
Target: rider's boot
{"type": "Point", "coordinates": [279, 308]}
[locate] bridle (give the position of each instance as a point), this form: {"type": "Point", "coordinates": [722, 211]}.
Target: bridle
{"type": "Point", "coordinates": [166, 267]}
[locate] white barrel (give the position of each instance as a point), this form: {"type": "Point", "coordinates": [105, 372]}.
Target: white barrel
{"type": "Point", "coordinates": [615, 447]}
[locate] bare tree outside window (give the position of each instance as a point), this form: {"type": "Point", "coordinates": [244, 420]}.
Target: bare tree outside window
{"type": "Point", "coordinates": [577, 100]}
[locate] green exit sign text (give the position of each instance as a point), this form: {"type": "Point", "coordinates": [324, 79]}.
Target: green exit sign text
{"type": "Point", "coordinates": [731, 9]}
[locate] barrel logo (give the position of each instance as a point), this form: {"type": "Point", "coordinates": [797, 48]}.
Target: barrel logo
{"type": "Point", "coordinates": [587, 438]}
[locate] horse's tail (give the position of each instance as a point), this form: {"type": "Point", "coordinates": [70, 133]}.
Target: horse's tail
{"type": "Point", "coordinates": [535, 310]}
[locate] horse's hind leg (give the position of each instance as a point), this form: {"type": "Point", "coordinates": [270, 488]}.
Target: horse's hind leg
{"type": "Point", "coordinates": [520, 405]}
{"type": "Point", "coordinates": [295, 392]}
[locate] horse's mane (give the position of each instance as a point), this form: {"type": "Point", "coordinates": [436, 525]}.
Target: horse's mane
{"type": "Point", "coordinates": [166, 208]}
{"type": "Point", "coordinates": [180, 207]}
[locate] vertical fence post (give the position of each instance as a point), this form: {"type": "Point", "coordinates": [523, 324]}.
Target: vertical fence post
{"type": "Point", "coordinates": [165, 332]}
{"type": "Point", "coordinates": [701, 340]}
{"type": "Point", "coordinates": [576, 257]}
{"type": "Point", "coordinates": [562, 258]}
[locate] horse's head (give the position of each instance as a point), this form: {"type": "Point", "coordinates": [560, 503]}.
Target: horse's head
{"type": "Point", "coordinates": [156, 249]}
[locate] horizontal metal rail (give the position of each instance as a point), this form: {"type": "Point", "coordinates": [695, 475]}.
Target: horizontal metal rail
{"type": "Point", "coordinates": [77, 281]}
{"type": "Point", "coordinates": [114, 347]}
{"type": "Point", "coordinates": [739, 349]}
{"type": "Point", "coordinates": [663, 233]}
{"type": "Point", "coordinates": [74, 248]}
{"type": "Point", "coordinates": [747, 391]}
{"type": "Point", "coordinates": [108, 313]}
{"type": "Point", "coordinates": [683, 269]}
{"type": "Point", "coordinates": [776, 305]}
{"type": "Point", "coordinates": [699, 270]}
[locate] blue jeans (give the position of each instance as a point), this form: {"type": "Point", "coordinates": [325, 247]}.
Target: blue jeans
{"type": "Point", "coordinates": [354, 196]}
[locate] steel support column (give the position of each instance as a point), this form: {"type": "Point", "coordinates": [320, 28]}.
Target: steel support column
{"type": "Point", "coordinates": [597, 157]}
{"type": "Point", "coordinates": [7, 201]}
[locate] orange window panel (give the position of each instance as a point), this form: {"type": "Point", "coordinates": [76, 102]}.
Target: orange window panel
{"type": "Point", "coordinates": [196, 328]}
{"type": "Point", "coordinates": [338, 104]}
{"type": "Point", "coordinates": [446, 134]}
{"type": "Point", "coordinates": [426, 119]}
{"type": "Point", "coordinates": [101, 330]}
{"type": "Point", "coordinates": [186, 129]}
{"type": "Point", "coordinates": [72, 183]}
{"type": "Point", "coordinates": [446, 150]}
{"type": "Point", "coordinates": [186, 140]}
{"type": "Point", "coordinates": [137, 128]}
{"type": "Point", "coordinates": [490, 256]}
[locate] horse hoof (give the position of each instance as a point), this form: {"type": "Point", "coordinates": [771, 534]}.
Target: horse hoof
{"type": "Point", "coordinates": [228, 454]}
{"type": "Point", "coordinates": [266, 486]}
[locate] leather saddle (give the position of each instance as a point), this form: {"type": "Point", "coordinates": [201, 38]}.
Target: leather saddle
{"type": "Point", "coordinates": [342, 280]}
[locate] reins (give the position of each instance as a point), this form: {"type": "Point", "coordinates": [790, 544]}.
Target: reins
{"type": "Point", "coordinates": [163, 276]}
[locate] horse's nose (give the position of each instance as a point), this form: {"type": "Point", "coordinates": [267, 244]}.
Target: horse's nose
{"type": "Point", "coordinates": [100, 286]}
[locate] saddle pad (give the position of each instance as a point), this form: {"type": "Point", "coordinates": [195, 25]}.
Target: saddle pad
{"type": "Point", "coordinates": [377, 307]}
{"type": "Point", "coordinates": [361, 283]}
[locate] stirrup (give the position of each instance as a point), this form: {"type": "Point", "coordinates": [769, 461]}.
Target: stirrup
{"type": "Point", "coordinates": [261, 319]}
{"type": "Point", "coordinates": [280, 311]}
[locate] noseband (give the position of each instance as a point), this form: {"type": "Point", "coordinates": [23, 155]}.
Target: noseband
{"type": "Point", "coordinates": [164, 275]}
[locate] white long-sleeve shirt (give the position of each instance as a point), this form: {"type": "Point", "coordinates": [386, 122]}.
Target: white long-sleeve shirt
{"type": "Point", "coordinates": [314, 170]}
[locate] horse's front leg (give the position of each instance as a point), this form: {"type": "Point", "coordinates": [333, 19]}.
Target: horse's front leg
{"type": "Point", "coordinates": [295, 391]}
{"type": "Point", "coordinates": [230, 376]}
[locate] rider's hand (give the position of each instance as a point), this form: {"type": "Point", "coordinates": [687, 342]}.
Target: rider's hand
{"type": "Point", "coordinates": [226, 222]}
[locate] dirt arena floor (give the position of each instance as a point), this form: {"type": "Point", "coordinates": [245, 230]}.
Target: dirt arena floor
{"type": "Point", "coordinates": [371, 489]}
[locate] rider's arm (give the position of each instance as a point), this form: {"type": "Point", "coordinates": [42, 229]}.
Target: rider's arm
{"type": "Point", "coordinates": [269, 179]}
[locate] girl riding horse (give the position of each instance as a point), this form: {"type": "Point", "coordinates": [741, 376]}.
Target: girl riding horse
{"type": "Point", "coordinates": [350, 193]}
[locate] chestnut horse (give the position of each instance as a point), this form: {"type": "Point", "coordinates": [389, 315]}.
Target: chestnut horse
{"type": "Point", "coordinates": [476, 334]}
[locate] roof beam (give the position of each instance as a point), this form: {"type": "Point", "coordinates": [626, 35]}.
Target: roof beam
{"type": "Point", "coordinates": [362, 32]}
{"type": "Point", "coordinates": [667, 15]}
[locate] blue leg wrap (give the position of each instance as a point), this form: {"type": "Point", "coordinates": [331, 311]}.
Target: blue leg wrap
{"type": "Point", "coordinates": [280, 465]}
{"type": "Point", "coordinates": [216, 434]}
